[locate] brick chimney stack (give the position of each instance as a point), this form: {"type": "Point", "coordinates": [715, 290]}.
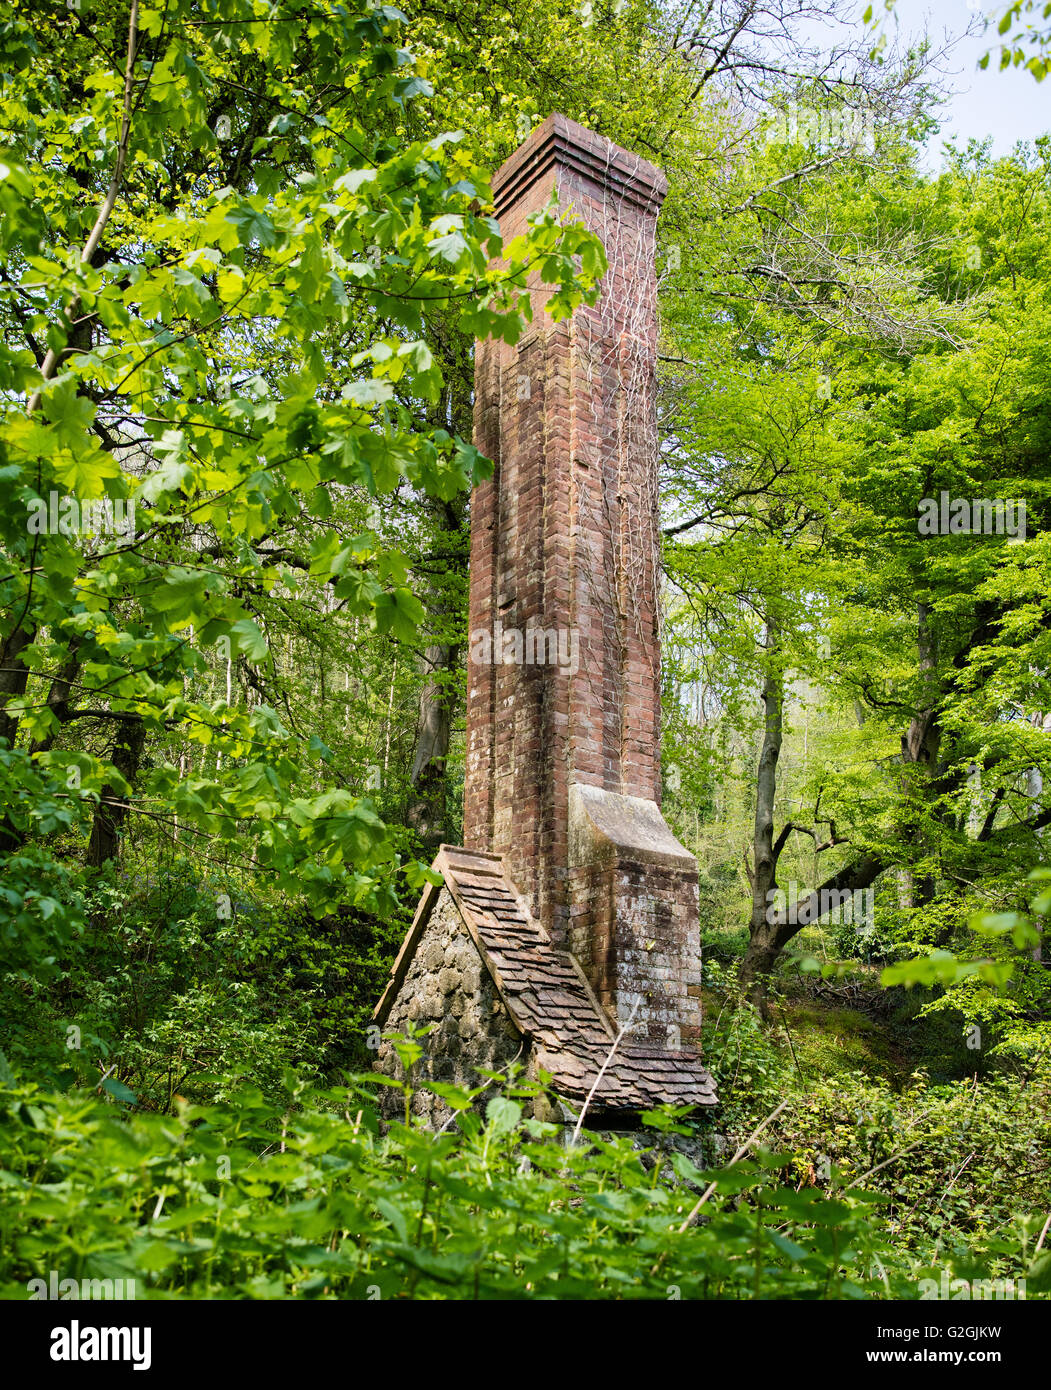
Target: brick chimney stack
{"type": "Point", "coordinates": [563, 705]}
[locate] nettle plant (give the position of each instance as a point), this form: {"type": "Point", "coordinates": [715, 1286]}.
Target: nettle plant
{"type": "Point", "coordinates": [312, 1200]}
{"type": "Point", "coordinates": [217, 282]}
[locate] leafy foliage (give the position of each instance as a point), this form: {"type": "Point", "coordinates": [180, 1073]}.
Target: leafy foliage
{"type": "Point", "coordinates": [246, 251]}
{"type": "Point", "coordinates": [247, 1200]}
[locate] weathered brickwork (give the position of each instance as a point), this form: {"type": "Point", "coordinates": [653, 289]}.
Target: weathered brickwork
{"type": "Point", "coordinates": [573, 909]}
{"type": "Point", "coordinates": [532, 1001]}
{"type": "Point", "coordinates": [564, 536]}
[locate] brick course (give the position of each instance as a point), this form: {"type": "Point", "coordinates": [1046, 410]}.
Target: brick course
{"type": "Point", "coordinates": [564, 536]}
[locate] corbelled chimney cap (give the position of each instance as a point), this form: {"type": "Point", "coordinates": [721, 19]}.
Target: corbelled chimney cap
{"type": "Point", "coordinates": [560, 142]}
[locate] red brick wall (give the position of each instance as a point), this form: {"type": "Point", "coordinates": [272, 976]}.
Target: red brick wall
{"type": "Point", "coordinates": [564, 537]}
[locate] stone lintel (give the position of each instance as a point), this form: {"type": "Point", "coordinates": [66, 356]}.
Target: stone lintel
{"type": "Point", "coordinates": [607, 828]}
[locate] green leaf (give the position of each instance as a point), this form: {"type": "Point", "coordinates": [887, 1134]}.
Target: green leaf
{"type": "Point", "coordinates": [502, 1114]}
{"type": "Point", "coordinates": [249, 640]}
{"type": "Point", "coordinates": [394, 1215]}
{"type": "Point", "coordinates": [252, 225]}
{"type": "Point", "coordinates": [119, 1091]}
{"type": "Point", "coordinates": [399, 613]}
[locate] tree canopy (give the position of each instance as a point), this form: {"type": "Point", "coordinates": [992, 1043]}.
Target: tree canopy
{"type": "Point", "coordinates": [246, 251]}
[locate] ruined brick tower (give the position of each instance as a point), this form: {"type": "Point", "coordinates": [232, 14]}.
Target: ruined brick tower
{"type": "Point", "coordinates": [563, 745]}
{"type": "Point", "coordinates": [572, 892]}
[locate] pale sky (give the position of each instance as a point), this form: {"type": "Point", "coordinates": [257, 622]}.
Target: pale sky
{"type": "Point", "coordinates": [1007, 105]}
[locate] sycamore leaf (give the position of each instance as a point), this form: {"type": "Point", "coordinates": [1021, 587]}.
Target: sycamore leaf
{"type": "Point", "coordinates": [252, 225]}
{"type": "Point", "coordinates": [399, 612]}
{"type": "Point", "coordinates": [249, 640]}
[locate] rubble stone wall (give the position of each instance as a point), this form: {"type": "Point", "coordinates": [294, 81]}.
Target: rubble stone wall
{"type": "Point", "coordinates": [448, 986]}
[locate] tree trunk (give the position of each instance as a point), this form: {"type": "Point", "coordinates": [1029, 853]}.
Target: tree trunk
{"type": "Point", "coordinates": [113, 809]}
{"type": "Point", "coordinates": [757, 963]}
{"type": "Point", "coordinates": [427, 808]}
{"type": "Point", "coordinates": [769, 929]}
{"type": "Point", "coordinates": [763, 946]}
{"type": "Point", "coordinates": [14, 674]}
{"type": "Point", "coordinates": [13, 677]}
{"type": "Point", "coordinates": [768, 939]}
{"type": "Point", "coordinates": [920, 746]}
{"type": "Point", "coordinates": [58, 696]}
